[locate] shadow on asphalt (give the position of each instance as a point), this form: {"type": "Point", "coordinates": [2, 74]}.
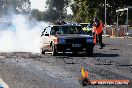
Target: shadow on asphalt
{"type": "Point", "coordinates": [104, 55]}
{"type": "Point", "coordinates": [114, 49]}
{"type": "Point", "coordinates": [84, 55]}
{"type": "Point", "coordinates": [72, 55]}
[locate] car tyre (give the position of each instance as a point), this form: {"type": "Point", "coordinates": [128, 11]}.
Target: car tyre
{"type": "Point", "coordinates": [75, 53]}
{"type": "Point", "coordinates": [89, 52]}
{"type": "Point", "coordinates": [42, 51]}
{"type": "Point", "coordinates": [54, 52]}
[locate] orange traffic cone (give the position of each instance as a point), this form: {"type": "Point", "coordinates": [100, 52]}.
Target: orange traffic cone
{"type": "Point", "coordinates": [84, 79]}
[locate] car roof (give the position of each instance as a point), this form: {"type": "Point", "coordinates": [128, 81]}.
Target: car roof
{"type": "Point", "coordinates": [67, 24]}
{"type": "Point", "coordinates": [84, 23]}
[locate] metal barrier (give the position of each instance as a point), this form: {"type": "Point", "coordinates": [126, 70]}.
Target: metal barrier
{"type": "Point", "coordinates": [121, 32]}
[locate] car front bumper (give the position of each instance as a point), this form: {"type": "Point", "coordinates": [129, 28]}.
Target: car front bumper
{"type": "Point", "coordinates": [73, 47]}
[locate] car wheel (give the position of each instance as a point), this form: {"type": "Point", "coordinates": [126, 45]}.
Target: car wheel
{"type": "Point", "coordinates": [64, 52]}
{"type": "Point", "coordinates": [75, 53]}
{"type": "Point", "coordinates": [54, 52]}
{"type": "Point", "coordinates": [42, 51]}
{"type": "Point", "coordinates": [89, 52]}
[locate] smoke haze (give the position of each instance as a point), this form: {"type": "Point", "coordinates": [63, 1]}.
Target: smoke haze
{"type": "Point", "coordinates": [21, 35]}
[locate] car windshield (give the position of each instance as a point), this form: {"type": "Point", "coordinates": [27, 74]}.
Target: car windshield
{"type": "Point", "coordinates": [84, 25]}
{"type": "Point", "coordinates": [66, 30]}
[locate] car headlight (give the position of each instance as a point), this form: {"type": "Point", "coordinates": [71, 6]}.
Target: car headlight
{"type": "Point", "coordinates": [90, 40]}
{"type": "Point", "coordinates": [61, 41]}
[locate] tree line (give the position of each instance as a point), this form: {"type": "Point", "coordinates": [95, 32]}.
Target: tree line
{"type": "Point", "coordinates": [14, 6]}
{"type": "Point", "coordinates": [56, 9]}
{"type": "Point", "coordinates": [83, 10]}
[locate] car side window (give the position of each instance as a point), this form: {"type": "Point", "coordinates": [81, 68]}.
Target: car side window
{"type": "Point", "coordinates": [53, 31]}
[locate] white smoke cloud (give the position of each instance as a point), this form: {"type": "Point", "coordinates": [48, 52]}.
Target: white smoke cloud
{"type": "Point", "coordinates": [21, 35]}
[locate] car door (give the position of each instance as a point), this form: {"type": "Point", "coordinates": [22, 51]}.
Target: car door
{"type": "Point", "coordinates": [46, 39]}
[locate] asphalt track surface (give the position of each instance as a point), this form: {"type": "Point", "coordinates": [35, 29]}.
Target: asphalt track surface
{"type": "Point", "coordinates": [32, 70]}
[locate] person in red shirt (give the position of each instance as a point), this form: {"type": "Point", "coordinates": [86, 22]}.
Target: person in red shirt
{"type": "Point", "coordinates": [98, 29]}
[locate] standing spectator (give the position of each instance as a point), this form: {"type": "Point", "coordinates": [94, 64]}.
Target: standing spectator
{"type": "Point", "coordinates": [98, 29]}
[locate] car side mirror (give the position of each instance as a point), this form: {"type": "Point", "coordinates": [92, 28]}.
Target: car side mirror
{"type": "Point", "coordinates": [42, 35]}
{"type": "Point", "coordinates": [46, 35]}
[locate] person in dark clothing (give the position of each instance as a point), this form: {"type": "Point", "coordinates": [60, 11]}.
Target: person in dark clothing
{"type": "Point", "coordinates": [98, 29]}
{"type": "Point", "coordinates": [60, 22]}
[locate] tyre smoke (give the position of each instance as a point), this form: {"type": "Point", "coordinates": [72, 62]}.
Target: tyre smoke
{"type": "Point", "coordinates": [21, 35]}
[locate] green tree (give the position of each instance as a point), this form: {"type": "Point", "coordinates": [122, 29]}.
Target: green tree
{"type": "Point", "coordinates": [84, 10]}
{"type": "Point", "coordinates": [15, 6]}
{"type": "Point", "coordinates": [112, 6]}
{"type": "Point", "coordinates": [56, 9]}
{"type": "Point", "coordinates": [36, 14]}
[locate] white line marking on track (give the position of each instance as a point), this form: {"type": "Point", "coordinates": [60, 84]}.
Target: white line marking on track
{"type": "Point", "coordinates": [3, 84]}
{"type": "Point", "coordinates": [129, 44]}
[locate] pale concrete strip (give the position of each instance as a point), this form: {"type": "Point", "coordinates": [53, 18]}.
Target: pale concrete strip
{"type": "Point", "coordinates": [106, 35]}
{"type": "Point", "coordinates": [129, 44]}
{"type": "Point", "coordinates": [116, 37]}
{"type": "Point", "coordinates": [119, 37]}
{"type": "Point", "coordinates": [3, 84]}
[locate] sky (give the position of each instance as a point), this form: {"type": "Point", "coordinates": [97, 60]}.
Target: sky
{"type": "Point", "coordinates": [40, 5]}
